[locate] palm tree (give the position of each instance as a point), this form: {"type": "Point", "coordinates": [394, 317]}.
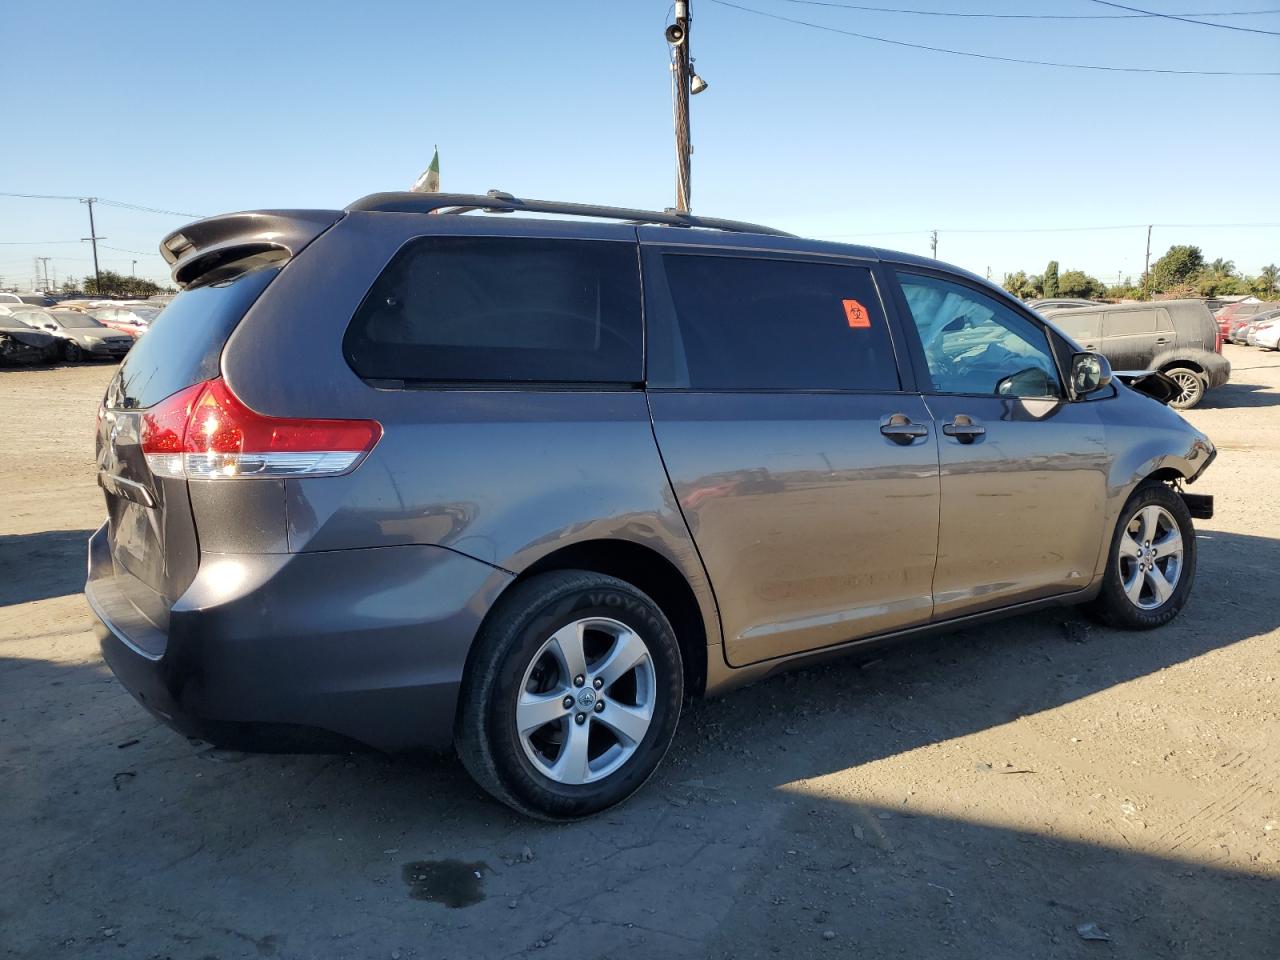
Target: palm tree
{"type": "Point", "coordinates": [1222, 268]}
{"type": "Point", "coordinates": [1269, 276]}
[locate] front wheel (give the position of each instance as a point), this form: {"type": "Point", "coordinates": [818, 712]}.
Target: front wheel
{"type": "Point", "coordinates": [1190, 387]}
{"type": "Point", "coordinates": [1152, 563]}
{"type": "Point", "coordinates": [571, 695]}
{"type": "Point", "coordinates": [72, 352]}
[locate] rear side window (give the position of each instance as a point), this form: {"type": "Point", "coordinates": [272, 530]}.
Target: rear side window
{"type": "Point", "coordinates": [1125, 323]}
{"type": "Point", "coordinates": [742, 323]}
{"type": "Point", "coordinates": [508, 309]}
{"type": "Point", "coordinates": [184, 343]}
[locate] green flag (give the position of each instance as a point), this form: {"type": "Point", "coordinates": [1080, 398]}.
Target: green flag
{"type": "Point", "coordinates": [429, 182]}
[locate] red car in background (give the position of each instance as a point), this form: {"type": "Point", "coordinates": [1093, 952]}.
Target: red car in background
{"type": "Point", "coordinates": [1234, 312]}
{"type": "Point", "coordinates": [132, 319]}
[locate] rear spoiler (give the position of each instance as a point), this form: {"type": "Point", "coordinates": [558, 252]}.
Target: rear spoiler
{"type": "Point", "coordinates": [205, 245]}
{"type": "Point", "coordinates": [1153, 383]}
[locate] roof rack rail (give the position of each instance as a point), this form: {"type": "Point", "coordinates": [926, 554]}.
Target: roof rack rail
{"type": "Point", "coordinates": [496, 201]}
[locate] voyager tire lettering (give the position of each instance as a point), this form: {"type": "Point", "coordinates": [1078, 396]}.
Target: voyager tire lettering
{"type": "Point", "coordinates": [631, 606]}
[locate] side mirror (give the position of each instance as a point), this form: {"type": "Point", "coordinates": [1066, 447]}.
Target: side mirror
{"type": "Point", "coordinates": [1090, 372]}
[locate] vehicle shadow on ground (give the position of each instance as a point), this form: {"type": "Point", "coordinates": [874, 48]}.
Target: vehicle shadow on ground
{"type": "Point", "coordinates": [1235, 394]}
{"type": "Point", "coordinates": [920, 692]}
{"type": "Point", "coordinates": [731, 822]}
{"type": "Point", "coordinates": [133, 838]}
{"type": "Point", "coordinates": [36, 566]}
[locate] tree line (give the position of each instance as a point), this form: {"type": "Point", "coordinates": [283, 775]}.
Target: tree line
{"type": "Point", "coordinates": [114, 285]}
{"type": "Point", "coordinates": [1181, 272]}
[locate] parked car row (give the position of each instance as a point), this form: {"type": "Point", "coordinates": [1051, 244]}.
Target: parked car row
{"type": "Point", "coordinates": [71, 330]}
{"type": "Point", "coordinates": [1258, 330]}
{"type": "Point", "coordinates": [1234, 314]}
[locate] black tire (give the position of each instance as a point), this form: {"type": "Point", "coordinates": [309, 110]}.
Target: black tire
{"type": "Point", "coordinates": [1192, 384]}
{"type": "Point", "coordinates": [72, 352]}
{"type": "Point", "coordinates": [1112, 605]}
{"type": "Point", "coordinates": [485, 734]}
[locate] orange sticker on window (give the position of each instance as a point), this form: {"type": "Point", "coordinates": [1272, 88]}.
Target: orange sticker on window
{"type": "Point", "coordinates": [857, 314]}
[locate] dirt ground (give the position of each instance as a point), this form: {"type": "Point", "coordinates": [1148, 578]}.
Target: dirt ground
{"type": "Point", "coordinates": [988, 794]}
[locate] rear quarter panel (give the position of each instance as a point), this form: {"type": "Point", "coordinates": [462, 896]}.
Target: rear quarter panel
{"type": "Point", "coordinates": [506, 476]}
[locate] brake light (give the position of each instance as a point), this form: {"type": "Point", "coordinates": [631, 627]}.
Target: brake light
{"type": "Point", "coordinates": [206, 432]}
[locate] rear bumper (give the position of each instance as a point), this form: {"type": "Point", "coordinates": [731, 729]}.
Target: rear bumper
{"type": "Point", "coordinates": [1217, 370]}
{"type": "Point", "coordinates": [303, 651]}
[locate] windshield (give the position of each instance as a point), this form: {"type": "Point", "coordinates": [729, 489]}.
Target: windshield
{"type": "Point", "coordinates": [74, 320]}
{"type": "Point", "coordinates": [32, 318]}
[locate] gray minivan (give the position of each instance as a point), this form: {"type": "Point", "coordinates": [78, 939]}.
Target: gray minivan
{"type": "Point", "coordinates": [1179, 338]}
{"type": "Point", "coordinates": [403, 477]}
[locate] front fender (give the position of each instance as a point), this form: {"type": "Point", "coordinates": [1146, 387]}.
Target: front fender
{"type": "Point", "coordinates": [1147, 439]}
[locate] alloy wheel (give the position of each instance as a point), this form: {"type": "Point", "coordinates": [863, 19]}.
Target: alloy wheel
{"type": "Point", "coordinates": [1150, 557]}
{"type": "Point", "coordinates": [1190, 387]}
{"type": "Point", "coordinates": [586, 701]}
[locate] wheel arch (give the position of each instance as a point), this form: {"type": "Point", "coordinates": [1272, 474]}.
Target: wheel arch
{"type": "Point", "coordinates": [652, 573]}
{"type": "Point", "coordinates": [1170, 363]}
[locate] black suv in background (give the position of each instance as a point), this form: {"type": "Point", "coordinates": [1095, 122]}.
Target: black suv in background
{"type": "Point", "coordinates": [516, 486]}
{"type": "Point", "coordinates": [1179, 338]}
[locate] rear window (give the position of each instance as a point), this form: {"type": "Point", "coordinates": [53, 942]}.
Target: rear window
{"type": "Point", "coordinates": [183, 344]}
{"type": "Point", "coordinates": [502, 309]}
{"type": "Point", "coordinates": [749, 323]}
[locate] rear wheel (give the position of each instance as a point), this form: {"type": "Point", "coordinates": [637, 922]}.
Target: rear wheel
{"type": "Point", "coordinates": [1190, 386]}
{"type": "Point", "coordinates": [1152, 563]}
{"type": "Point", "coordinates": [571, 696]}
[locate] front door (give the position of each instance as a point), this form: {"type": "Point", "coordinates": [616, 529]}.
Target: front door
{"type": "Point", "coordinates": [1023, 469]}
{"type": "Point", "coordinates": [807, 475]}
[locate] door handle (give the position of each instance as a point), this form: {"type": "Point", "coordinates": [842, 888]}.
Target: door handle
{"type": "Point", "coordinates": [1162, 339]}
{"type": "Point", "coordinates": [900, 428]}
{"type": "Point", "coordinates": [963, 428]}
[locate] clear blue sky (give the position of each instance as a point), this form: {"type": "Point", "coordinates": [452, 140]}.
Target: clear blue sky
{"type": "Point", "coordinates": [238, 105]}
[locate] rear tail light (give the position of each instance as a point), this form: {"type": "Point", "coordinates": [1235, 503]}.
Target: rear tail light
{"type": "Point", "coordinates": [205, 432]}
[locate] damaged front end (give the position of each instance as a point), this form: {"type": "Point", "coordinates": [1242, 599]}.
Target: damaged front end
{"type": "Point", "coordinates": [1152, 383]}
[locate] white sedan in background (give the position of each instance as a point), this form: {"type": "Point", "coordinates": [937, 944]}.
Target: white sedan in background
{"type": "Point", "coordinates": [1267, 335]}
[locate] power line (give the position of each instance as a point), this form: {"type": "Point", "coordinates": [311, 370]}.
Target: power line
{"type": "Point", "coordinates": [1119, 226]}
{"type": "Point", "coordinates": [1027, 16]}
{"type": "Point", "coordinates": [990, 56]}
{"type": "Point", "coordinates": [38, 196]}
{"type": "Point", "coordinates": [142, 209]}
{"type": "Point", "coordinates": [139, 253]}
{"type": "Point", "coordinates": [111, 203]}
{"type": "Point", "coordinates": [1184, 19]}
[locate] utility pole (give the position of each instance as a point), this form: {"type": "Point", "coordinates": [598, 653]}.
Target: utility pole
{"type": "Point", "coordinates": [1146, 273]}
{"type": "Point", "coordinates": [677, 35]}
{"type": "Point", "coordinates": [44, 262]}
{"type": "Point", "coordinates": [94, 238]}
{"type": "Point", "coordinates": [133, 270]}
{"type": "Point", "coordinates": [933, 242]}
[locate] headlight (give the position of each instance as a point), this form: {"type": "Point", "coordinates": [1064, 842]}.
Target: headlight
{"type": "Point", "coordinates": [92, 339]}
